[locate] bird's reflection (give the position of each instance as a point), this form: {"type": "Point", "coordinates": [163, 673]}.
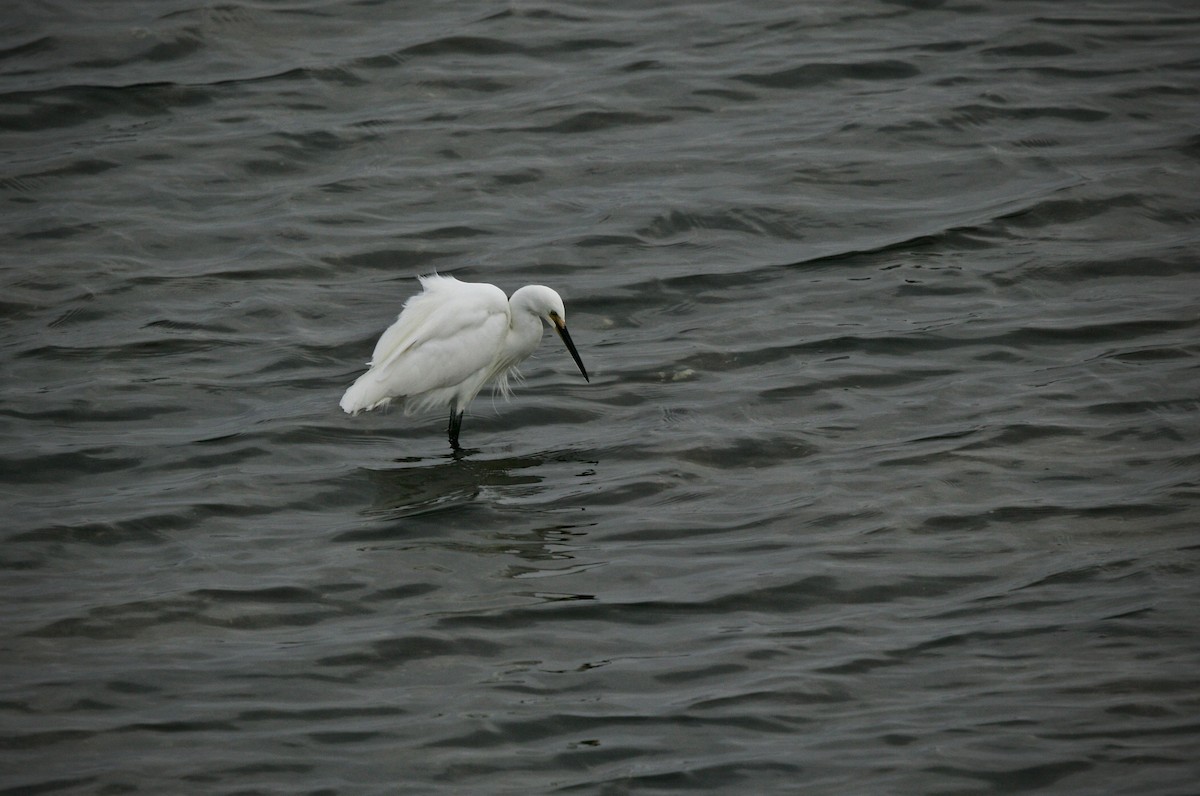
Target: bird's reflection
{"type": "Point", "coordinates": [489, 506]}
{"type": "Point", "coordinates": [418, 486]}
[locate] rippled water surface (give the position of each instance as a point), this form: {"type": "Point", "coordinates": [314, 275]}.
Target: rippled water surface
{"type": "Point", "coordinates": [886, 480]}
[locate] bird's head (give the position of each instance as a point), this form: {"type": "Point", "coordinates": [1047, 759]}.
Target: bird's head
{"type": "Point", "coordinates": [546, 304]}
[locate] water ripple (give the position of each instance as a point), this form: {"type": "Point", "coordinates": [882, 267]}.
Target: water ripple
{"type": "Point", "coordinates": [885, 480]}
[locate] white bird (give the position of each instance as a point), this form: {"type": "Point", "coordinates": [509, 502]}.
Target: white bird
{"type": "Point", "coordinates": [450, 340]}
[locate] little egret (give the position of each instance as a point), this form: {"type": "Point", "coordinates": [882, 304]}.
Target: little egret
{"type": "Point", "coordinates": [450, 340]}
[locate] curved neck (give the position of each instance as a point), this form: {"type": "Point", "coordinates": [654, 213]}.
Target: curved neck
{"type": "Point", "coordinates": [524, 334]}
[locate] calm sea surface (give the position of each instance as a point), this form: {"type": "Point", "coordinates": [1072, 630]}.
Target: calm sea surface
{"type": "Point", "coordinates": [887, 480]}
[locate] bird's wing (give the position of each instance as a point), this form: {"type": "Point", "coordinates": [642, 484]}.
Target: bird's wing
{"type": "Point", "coordinates": [425, 311]}
{"type": "Point", "coordinates": [444, 335]}
{"type": "Point", "coordinates": [416, 312]}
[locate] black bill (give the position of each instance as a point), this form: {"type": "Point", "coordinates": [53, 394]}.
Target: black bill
{"type": "Point", "coordinates": [566, 338]}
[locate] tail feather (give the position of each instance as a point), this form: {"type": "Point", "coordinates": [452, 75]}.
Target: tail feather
{"type": "Point", "coordinates": [365, 394]}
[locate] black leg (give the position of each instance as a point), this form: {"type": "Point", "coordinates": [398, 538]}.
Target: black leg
{"type": "Point", "coordinates": [455, 425]}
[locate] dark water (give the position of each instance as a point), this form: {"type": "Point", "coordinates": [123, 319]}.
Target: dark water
{"type": "Point", "coordinates": [886, 480]}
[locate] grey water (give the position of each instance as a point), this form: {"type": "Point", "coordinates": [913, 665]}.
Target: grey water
{"type": "Point", "coordinates": [887, 479]}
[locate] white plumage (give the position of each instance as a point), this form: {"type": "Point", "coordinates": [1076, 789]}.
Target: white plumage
{"type": "Point", "coordinates": [452, 339]}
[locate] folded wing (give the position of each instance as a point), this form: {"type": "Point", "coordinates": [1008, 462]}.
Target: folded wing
{"type": "Point", "coordinates": [442, 347]}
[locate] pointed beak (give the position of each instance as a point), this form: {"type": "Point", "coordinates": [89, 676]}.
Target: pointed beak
{"type": "Point", "coordinates": [561, 328]}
